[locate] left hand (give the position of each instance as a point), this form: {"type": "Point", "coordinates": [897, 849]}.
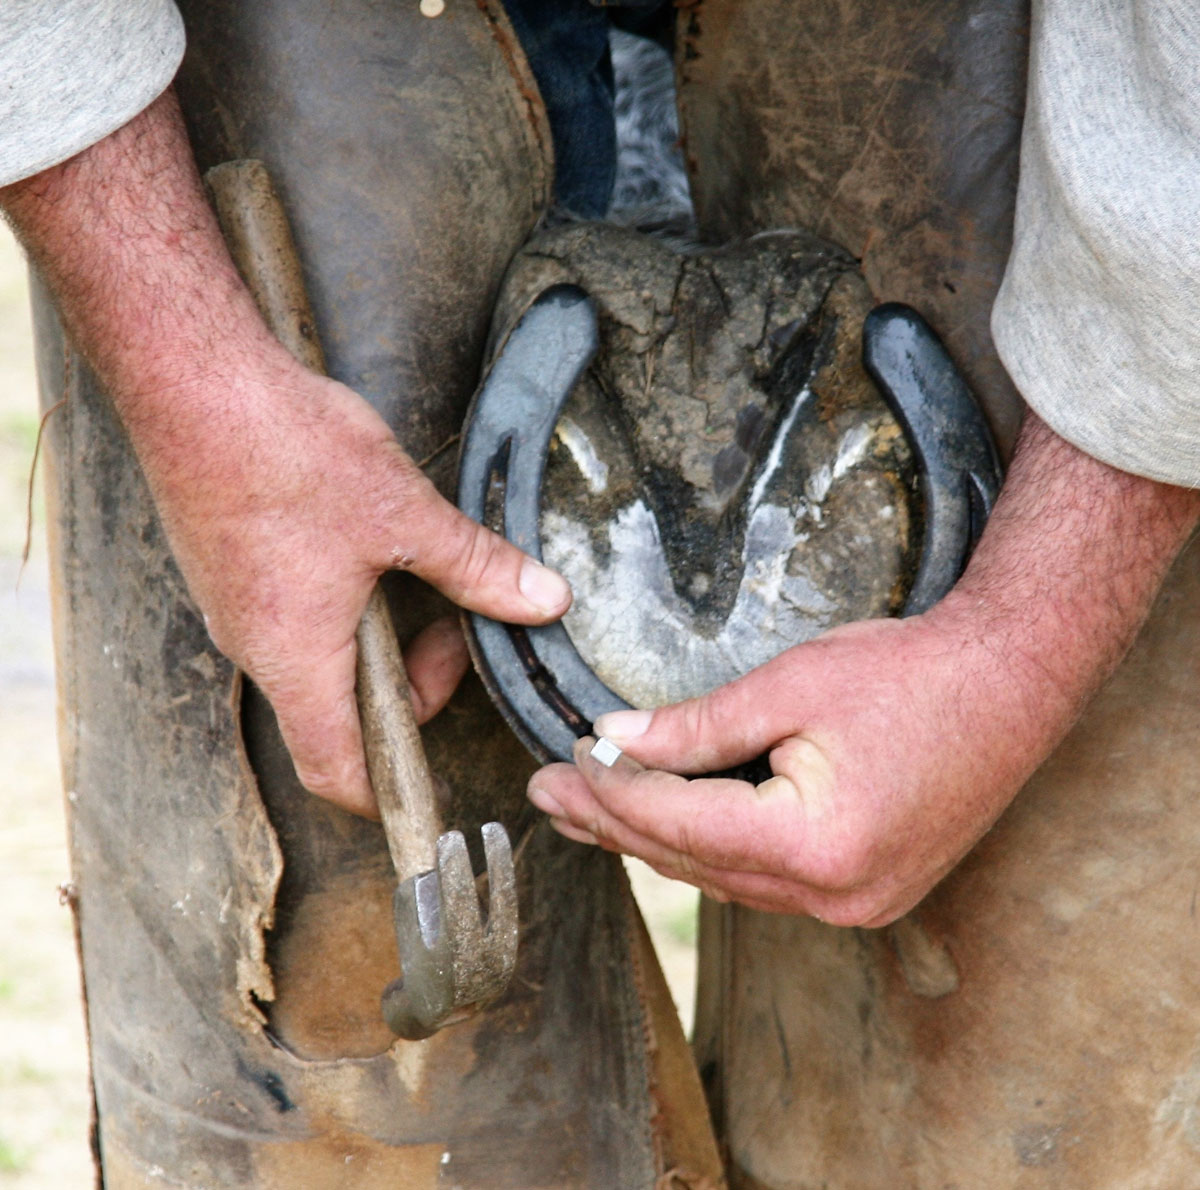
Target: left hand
{"type": "Point", "coordinates": [895, 744]}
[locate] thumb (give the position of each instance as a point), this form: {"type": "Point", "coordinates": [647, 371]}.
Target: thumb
{"type": "Point", "coordinates": [725, 727]}
{"type": "Point", "coordinates": [473, 566]}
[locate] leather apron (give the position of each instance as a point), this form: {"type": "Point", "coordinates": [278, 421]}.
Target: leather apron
{"type": "Point", "coordinates": [1035, 1022]}
{"type": "Point", "coordinates": [236, 932]}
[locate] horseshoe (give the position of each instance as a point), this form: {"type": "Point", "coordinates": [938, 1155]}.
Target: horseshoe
{"type": "Point", "coordinates": [956, 454]}
{"type": "Point", "coordinates": [544, 688]}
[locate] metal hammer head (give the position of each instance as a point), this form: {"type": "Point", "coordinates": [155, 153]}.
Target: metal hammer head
{"type": "Point", "coordinates": [453, 961]}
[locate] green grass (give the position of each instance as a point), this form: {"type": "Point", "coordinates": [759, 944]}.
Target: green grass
{"type": "Point", "coordinates": [24, 1072]}
{"type": "Point", "coordinates": [13, 1160]}
{"type": "Point", "coordinates": [28, 1072]}
{"type": "Point", "coordinates": [18, 428]}
{"type": "Point", "coordinates": [681, 923]}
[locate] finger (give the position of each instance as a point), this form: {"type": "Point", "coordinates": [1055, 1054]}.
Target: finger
{"type": "Point", "coordinates": [613, 835]}
{"type": "Point", "coordinates": [318, 719]}
{"type": "Point", "coordinates": [757, 890]}
{"type": "Point", "coordinates": [774, 845]}
{"type": "Point", "coordinates": [712, 892]}
{"type": "Point", "coordinates": [436, 660]}
{"type": "Point", "coordinates": [471, 565]}
{"type": "Point", "coordinates": [575, 813]}
{"type": "Point", "coordinates": [571, 831]}
{"type": "Point", "coordinates": [717, 821]}
{"type": "Point", "coordinates": [718, 730]}
{"type": "Point", "coordinates": [662, 817]}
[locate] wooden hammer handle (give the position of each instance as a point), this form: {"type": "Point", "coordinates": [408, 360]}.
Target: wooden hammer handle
{"type": "Point", "coordinates": [396, 760]}
{"type": "Point", "coordinates": [260, 241]}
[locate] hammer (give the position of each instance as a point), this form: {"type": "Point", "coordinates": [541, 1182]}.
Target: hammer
{"type": "Point", "coordinates": [454, 961]}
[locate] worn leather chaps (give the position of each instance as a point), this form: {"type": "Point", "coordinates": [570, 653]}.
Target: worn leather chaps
{"type": "Point", "coordinates": [1036, 1021]}
{"type": "Point", "coordinates": [1033, 1024]}
{"type": "Point", "coordinates": [236, 932]}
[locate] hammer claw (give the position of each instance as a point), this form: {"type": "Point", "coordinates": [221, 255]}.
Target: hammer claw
{"type": "Point", "coordinates": [459, 900]}
{"type": "Point", "coordinates": [453, 964]}
{"type": "Point", "coordinates": [502, 901]}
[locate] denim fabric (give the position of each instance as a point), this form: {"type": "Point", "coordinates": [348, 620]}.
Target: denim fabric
{"type": "Point", "coordinates": [566, 42]}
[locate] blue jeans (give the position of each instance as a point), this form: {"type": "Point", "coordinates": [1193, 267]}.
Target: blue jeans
{"type": "Point", "coordinates": [566, 42]}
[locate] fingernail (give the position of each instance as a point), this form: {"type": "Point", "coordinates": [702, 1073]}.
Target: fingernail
{"type": "Point", "coordinates": [622, 726]}
{"type": "Point", "coordinates": [544, 588]}
{"type": "Point", "coordinates": [545, 802]}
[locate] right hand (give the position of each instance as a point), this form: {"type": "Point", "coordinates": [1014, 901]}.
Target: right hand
{"type": "Point", "coordinates": [282, 527]}
{"type": "Point", "coordinates": [284, 495]}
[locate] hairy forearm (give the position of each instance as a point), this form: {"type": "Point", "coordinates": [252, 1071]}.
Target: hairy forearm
{"type": "Point", "coordinates": [284, 495]}
{"type": "Point", "coordinates": [127, 242]}
{"type": "Point", "coordinates": [1068, 566]}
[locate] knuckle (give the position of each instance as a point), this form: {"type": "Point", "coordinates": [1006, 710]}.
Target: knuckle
{"type": "Point", "coordinates": [407, 507]}
{"type": "Point", "coordinates": [344, 785]}
{"type": "Point", "coordinates": [861, 910]}
{"type": "Point", "coordinates": [681, 866]}
{"type": "Point", "coordinates": [687, 868]}
{"type": "Point", "coordinates": [274, 671]}
{"type": "Point", "coordinates": [884, 913]}
{"type": "Point", "coordinates": [690, 863]}
{"type": "Point", "coordinates": [225, 644]}
{"type": "Point", "coordinates": [838, 915]}
{"type": "Point", "coordinates": [699, 722]}
{"type": "Point", "coordinates": [482, 551]}
{"type": "Point", "coordinates": [666, 870]}
{"type": "Point", "coordinates": [596, 826]}
{"type": "Point", "coordinates": [684, 844]}
{"type": "Point", "coordinates": [240, 635]}
{"type": "Point", "coordinates": [317, 779]}
{"type": "Point", "coordinates": [844, 867]}
{"type": "Point", "coordinates": [475, 555]}
{"type": "Point", "coordinates": [259, 662]}
{"type": "Point", "coordinates": [403, 485]}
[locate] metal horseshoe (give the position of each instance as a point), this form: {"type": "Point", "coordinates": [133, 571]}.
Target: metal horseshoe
{"type": "Point", "coordinates": [956, 454]}
{"type": "Point", "coordinates": [545, 689]}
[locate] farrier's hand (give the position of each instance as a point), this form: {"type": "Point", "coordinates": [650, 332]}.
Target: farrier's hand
{"type": "Point", "coordinates": [282, 493]}
{"type": "Point", "coordinates": [895, 744]}
{"type": "Point", "coordinates": [282, 533]}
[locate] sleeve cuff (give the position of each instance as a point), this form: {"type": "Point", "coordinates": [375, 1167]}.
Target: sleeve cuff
{"type": "Point", "coordinates": [1096, 320]}
{"type": "Point", "coordinates": [75, 71]}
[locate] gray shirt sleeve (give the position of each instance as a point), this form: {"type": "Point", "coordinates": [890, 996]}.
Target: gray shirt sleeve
{"type": "Point", "coordinates": [72, 71]}
{"type": "Point", "coordinates": [1098, 319]}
